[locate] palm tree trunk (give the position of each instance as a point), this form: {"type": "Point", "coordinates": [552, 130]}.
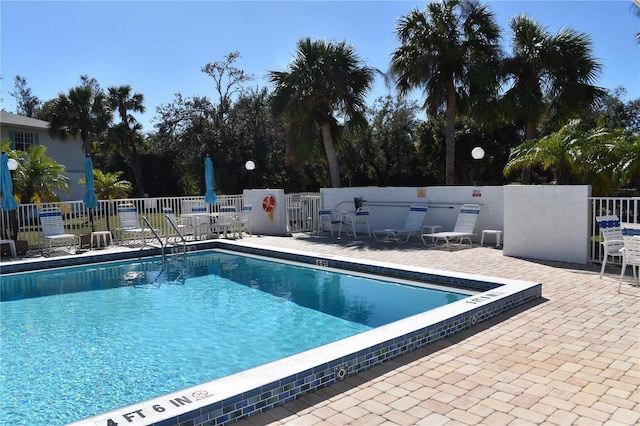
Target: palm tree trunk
{"type": "Point", "coordinates": [134, 164]}
{"type": "Point", "coordinates": [526, 170]}
{"type": "Point", "coordinates": [332, 157]}
{"type": "Point", "coordinates": [450, 135]}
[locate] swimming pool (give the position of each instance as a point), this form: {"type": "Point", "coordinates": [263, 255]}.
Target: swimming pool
{"type": "Point", "coordinates": [124, 332]}
{"type": "Point", "coordinates": [269, 385]}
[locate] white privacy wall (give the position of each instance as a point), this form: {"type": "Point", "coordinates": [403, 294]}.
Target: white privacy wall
{"type": "Point", "coordinates": [263, 223]}
{"type": "Point", "coordinates": [547, 222]}
{"type": "Point", "coordinates": [389, 206]}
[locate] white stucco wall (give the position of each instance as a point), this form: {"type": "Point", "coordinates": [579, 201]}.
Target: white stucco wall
{"type": "Point", "coordinates": [547, 222]}
{"type": "Point", "coordinates": [262, 222]}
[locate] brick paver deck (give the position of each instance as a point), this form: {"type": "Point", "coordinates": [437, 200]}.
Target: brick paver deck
{"type": "Point", "coordinates": [570, 358]}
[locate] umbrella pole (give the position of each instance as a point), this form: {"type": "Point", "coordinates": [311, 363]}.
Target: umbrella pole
{"type": "Point", "coordinates": [13, 221]}
{"type": "Point", "coordinates": [93, 228]}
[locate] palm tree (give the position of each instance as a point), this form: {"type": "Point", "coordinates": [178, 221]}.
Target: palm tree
{"type": "Point", "coordinates": [450, 50]}
{"type": "Point", "coordinates": [323, 80]}
{"type": "Point", "coordinates": [551, 77]}
{"type": "Point", "coordinates": [108, 186]}
{"type": "Point", "coordinates": [606, 159]}
{"type": "Point", "coordinates": [39, 179]}
{"type": "Point", "coordinates": [126, 134]}
{"type": "Point", "coordinates": [83, 110]}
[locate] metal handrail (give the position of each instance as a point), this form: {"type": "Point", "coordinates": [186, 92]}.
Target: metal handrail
{"type": "Point", "coordinates": [153, 231]}
{"type": "Point", "coordinates": [175, 227]}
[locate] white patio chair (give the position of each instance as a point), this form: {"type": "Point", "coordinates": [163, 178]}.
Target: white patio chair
{"type": "Point", "coordinates": [360, 217]}
{"type": "Point", "coordinates": [327, 219]}
{"type": "Point", "coordinates": [226, 220]}
{"type": "Point", "coordinates": [631, 256]}
{"type": "Point", "coordinates": [53, 230]}
{"type": "Point", "coordinates": [200, 221]}
{"type": "Point", "coordinates": [130, 227]}
{"type": "Point", "coordinates": [178, 225]}
{"type": "Point", "coordinates": [244, 224]}
{"type": "Point", "coordinates": [612, 241]}
{"type": "Point", "coordinates": [464, 229]}
{"type": "Point", "coordinates": [412, 226]}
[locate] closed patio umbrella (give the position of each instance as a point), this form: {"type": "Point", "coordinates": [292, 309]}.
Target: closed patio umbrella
{"type": "Point", "coordinates": [210, 196]}
{"type": "Point", "coordinates": [6, 185]}
{"type": "Point", "coordinates": [90, 199]}
{"type": "Point", "coordinates": [8, 202]}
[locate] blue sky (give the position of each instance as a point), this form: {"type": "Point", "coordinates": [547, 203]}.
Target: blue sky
{"type": "Point", "coordinates": [158, 48]}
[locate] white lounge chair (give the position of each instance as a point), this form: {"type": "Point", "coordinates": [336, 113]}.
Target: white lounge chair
{"type": "Point", "coordinates": [360, 217]}
{"type": "Point", "coordinates": [464, 229]}
{"type": "Point", "coordinates": [612, 243]}
{"type": "Point", "coordinates": [130, 226]}
{"type": "Point", "coordinates": [412, 226]}
{"type": "Point", "coordinates": [53, 230]}
{"type": "Point", "coordinates": [631, 252]}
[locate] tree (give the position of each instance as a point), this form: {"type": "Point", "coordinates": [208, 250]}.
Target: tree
{"type": "Point", "coordinates": [228, 82]}
{"type": "Point", "coordinates": [635, 9]}
{"type": "Point", "coordinates": [83, 110]}
{"type": "Point", "coordinates": [607, 159]}
{"type": "Point", "coordinates": [109, 186]}
{"type": "Point", "coordinates": [551, 77]}
{"type": "Point", "coordinates": [385, 154]}
{"type": "Point", "coordinates": [126, 134]}
{"type": "Point", "coordinates": [39, 179]}
{"type": "Point", "coordinates": [26, 103]}
{"type": "Point", "coordinates": [184, 127]}
{"type": "Point", "coordinates": [451, 51]}
{"type": "Point", "coordinates": [324, 79]}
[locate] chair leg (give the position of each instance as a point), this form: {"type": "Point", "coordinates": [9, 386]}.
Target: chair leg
{"type": "Point", "coordinates": [624, 268]}
{"type": "Point", "coordinates": [604, 263]}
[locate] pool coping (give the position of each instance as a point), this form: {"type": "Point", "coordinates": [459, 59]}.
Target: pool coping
{"type": "Point", "coordinates": [255, 390]}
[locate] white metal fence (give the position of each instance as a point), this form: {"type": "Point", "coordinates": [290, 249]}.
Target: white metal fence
{"type": "Point", "coordinates": [302, 215]}
{"type": "Point", "coordinates": [302, 210]}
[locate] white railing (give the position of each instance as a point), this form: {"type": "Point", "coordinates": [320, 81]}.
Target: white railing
{"type": "Point", "coordinates": [302, 211]}
{"type": "Point", "coordinates": [626, 208]}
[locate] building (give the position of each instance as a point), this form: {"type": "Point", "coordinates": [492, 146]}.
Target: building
{"type": "Point", "coordinates": [24, 132]}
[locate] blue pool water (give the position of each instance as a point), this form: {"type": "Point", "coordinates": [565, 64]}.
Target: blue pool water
{"type": "Point", "coordinates": [79, 341]}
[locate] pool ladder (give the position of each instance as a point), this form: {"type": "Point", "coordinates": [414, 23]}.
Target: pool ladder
{"type": "Point", "coordinates": [163, 244]}
{"type": "Point", "coordinates": [153, 231]}
{"type": "Point", "coordinates": [180, 279]}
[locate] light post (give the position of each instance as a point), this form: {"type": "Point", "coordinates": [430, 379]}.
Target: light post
{"type": "Point", "coordinates": [478, 154]}
{"type": "Point", "coordinates": [250, 165]}
{"type": "Point", "coordinates": [13, 217]}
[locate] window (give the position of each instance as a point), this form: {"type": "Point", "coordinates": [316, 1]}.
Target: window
{"type": "Point", "coordinates": [23, 141]}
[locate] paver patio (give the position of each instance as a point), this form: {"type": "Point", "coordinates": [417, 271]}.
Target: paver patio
{"type": "Point", "coordinates": [573, 357]}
